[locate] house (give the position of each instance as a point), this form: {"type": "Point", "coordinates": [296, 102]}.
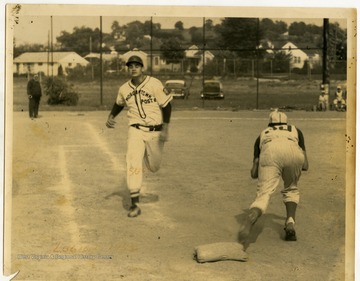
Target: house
{"type": "Point", "coordinates": [197, 58]}
{"type": "Point", "coordinates": [300, 55]}
{"type": "Point", "coordinates": [113, 58]}
{"type": "Point", "coordinates": [46, 62]}
{"type": "Point", "coordinates": [153, 59]}
{"type": "Point", "coordinates": [105, 56]}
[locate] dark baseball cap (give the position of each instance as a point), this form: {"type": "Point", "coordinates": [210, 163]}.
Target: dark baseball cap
{"type": "Point", "coordinates": [134, 59]}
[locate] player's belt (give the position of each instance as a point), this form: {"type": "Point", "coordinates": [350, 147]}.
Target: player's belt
{"type": "Point", "coordinates": [147, 128]}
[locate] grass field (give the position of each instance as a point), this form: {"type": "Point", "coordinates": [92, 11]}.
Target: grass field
{"type": "Point", "coordinates": [69, 200]}
{"type": "Point", "coordinates": [240, 94]}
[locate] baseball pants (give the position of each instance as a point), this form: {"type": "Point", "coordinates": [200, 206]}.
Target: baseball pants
{"type": "Point", "coordinates": [279, 159]}
{"type": "Point", "coordinates": [142, 147]}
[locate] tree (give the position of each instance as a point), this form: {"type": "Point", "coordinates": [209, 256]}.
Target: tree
{"type": "Point", "coordinates": [297, 28]}
{"type": "Point", "coordinates": [179, 25]}
{"type": "Point", "coordinates": [272, 30]}
{"type": "Point", "coordinates": [209, 24]}
{"type": "Point", "coordinates": [134, 34]}
{"type": "Point", "coordinates": [171, 50]}
{"type": "Point", "coordinates": [280, 27]}
{"type": "Point", "coordinates": [116, 30]}
{"type": "Point", "coordinates": [196, 35]}
{"type": "Point", "coordinates": [337, 42]}
{"type": "Point", "coordinates": [23, 48]}
{"type": "Point", "coordinates": [148, 25]}
{"type": "Point", "coordinates": [281, 61]}
{"type": "Point", "coordinates": [79, 40]}
{"type": "Point", "coordinates": [60, 92]}
{"type": "Point", "coordinates": [240, 35]}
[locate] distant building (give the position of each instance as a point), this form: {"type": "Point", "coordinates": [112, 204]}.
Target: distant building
{"type": "Point", "coordinates": [300, 55]}
{"type": "Point", "coordinates": [197, 58]}
{"type": "Point", "coordinates": [36, 62]}
{"type": "Point", "coordinates": [105, 56]}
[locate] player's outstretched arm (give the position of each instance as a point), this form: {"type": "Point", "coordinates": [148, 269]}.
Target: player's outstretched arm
{"type": "Point", "coordinates": [255, 169]}
{"type": "Point", "coordinates": [166, 112]}
{"type": "Point", "coordinates": [305, 166]}
{"type": "Point", "coordinates": [110, 123]}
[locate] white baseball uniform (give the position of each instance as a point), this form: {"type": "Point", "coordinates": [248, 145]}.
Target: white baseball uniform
{"type": "Point", "coordinates": [280, 156]}
{"type": "Point", "coordinates": [144, 104]}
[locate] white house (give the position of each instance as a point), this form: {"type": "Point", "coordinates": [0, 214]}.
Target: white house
{"type": "Point", "coordinates": [297, 56]}
{"type": "Point", "coordinates": [35, 62]}
{"type": "Point", "coordinates": [105, 56]}
{"type": "Point", "coordinates": [197, 57]}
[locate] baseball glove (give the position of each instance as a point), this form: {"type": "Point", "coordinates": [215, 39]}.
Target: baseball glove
{"type": "Point", "coordinates": [220, 252]}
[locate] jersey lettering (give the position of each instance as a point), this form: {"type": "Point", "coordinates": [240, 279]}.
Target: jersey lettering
{"type": "Point", "coordinates": [279, 132]}
{"type": "Point", "coordinates": [144, 101]}
{"type": "Point", "coordinates": [139, 105]}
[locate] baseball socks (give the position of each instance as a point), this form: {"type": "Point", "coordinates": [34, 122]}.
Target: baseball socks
{"type": "Point", "coordinates": [245, 227]}
{"type": "Point", "coordinates": [134, 210]}
{"type": "Point", "coordinates": [290, 233]}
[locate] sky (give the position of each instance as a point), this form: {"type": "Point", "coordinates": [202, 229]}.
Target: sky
{"type": "Point", "coordinates": [41, 24]}
{"type": "Point", "coordinates": [36, 29]}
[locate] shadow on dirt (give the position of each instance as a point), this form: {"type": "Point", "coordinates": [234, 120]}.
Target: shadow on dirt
{"type": "Point", "coordinates": [266, 220]}
{"type": "Point", "coordinates": [123, 192]}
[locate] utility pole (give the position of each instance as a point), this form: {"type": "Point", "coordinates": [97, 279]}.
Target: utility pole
{"type": "Point", "coordinates": [257, 62]}
{"type": "Point", "coordinates": [52, 48]}
{"type": "Point", "coordinates": [326, 76]}
{"type": "Point", "coordinates": [91, 59]}
{"type": "Point", "coordinates": [48, 54]}
{"type": "Point", "coordinates": [101, 64]}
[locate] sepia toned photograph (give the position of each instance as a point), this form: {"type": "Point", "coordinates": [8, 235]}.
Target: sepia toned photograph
{"type": "Point", "coordinates": [188, 143]}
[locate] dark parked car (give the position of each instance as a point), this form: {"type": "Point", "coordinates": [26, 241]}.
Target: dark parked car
{"type": "Point", "coordinates": [177, 88]}
{"type": "Point", "coordinates": [212, 90]}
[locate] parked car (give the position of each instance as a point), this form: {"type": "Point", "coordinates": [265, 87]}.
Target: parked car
{"type": "Point", "coordinates": [212, 90]}
{"type": "Point", "coordinates": [177, 88]}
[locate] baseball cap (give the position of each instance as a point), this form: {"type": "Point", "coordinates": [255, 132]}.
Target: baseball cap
{"type": "Point", "coordinates": [277, 117]}
{"type": "Point", "coordinates": [338, 87]}
{"type": "Point", "coordinates": [135, 59]}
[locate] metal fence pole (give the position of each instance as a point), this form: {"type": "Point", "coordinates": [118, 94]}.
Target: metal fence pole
{"type": "Point", "coordinates": [101, 64]}
{"type": "Point", "coordinates": [326, 80]}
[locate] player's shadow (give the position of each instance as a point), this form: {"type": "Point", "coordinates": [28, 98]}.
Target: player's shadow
{"type": "Point", "coordinates": [124, 194]}
{"type": "Point", "coordinates": [272, 221]}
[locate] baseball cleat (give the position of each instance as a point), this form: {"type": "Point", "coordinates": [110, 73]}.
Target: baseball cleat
{"type": "Point", "coordinates": [290, 233]}
{"type": "Point", "coordinates": [134, 212]}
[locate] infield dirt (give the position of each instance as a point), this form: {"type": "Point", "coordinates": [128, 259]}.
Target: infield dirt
{"type": "Point", "coordinates": [69, 200]}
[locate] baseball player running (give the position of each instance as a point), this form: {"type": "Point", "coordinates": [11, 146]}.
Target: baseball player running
{"type": "Point", "coordinates": [149, 111]}
{"type": "Point", "coordinates": [279, 152]}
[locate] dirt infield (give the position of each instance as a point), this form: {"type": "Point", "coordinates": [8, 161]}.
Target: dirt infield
{"type": "Point", "coordinates": [69, 200]}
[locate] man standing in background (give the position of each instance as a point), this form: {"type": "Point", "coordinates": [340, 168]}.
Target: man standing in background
{"type": "Point", "coordinates": [34, 95]}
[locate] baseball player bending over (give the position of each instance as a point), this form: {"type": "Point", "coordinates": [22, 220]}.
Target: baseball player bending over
{"type": "Point", "coordinates": [149, 112]}
{"type": "Point", "coordinates": [279, 152]}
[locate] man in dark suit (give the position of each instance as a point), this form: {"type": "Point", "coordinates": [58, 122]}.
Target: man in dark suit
{"type": "Point", "coordinates": [34, 95]}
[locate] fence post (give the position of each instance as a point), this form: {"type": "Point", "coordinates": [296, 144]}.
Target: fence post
{"type": "Point", "coordinates": [252, 69]}
{"type": "Point", "coordinates": [234, 68]}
